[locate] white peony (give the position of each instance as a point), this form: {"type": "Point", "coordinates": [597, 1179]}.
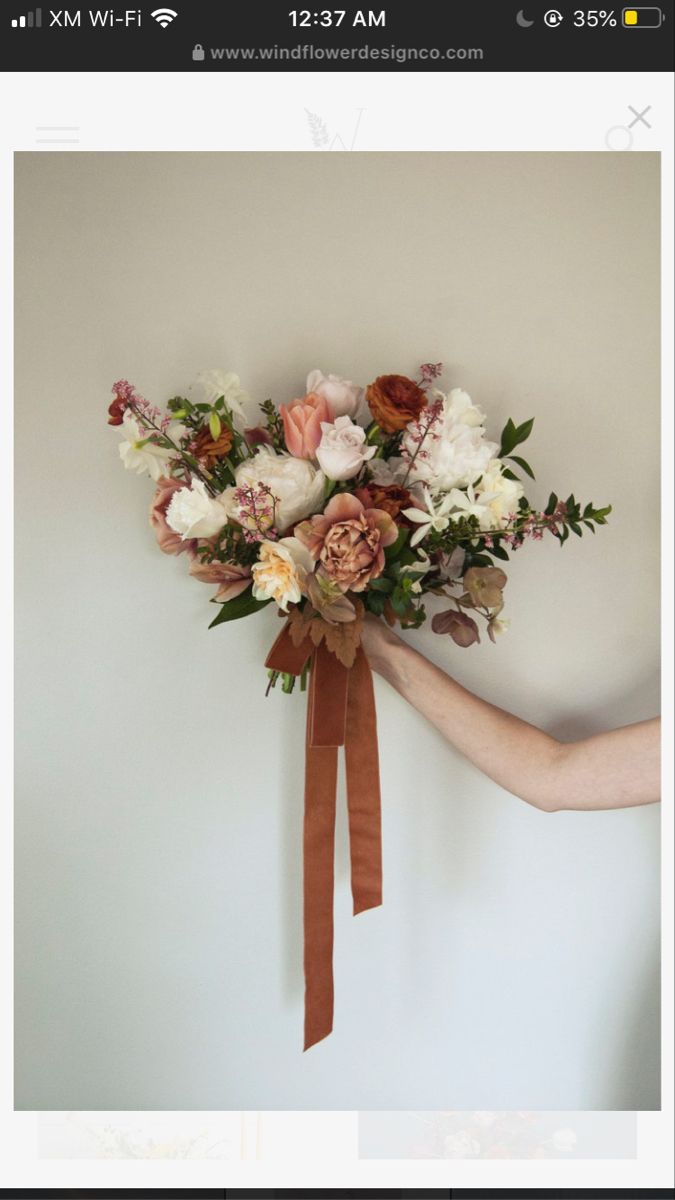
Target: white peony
{"type": "Point", "coordinates": [455, 452]}
{"type": "Point", "coordinates": [193, 513]}
{"type": "Point", "coordinates": [343, 449]}
{"type": "Point", "coordinates": [499, 493]}
{"type": "Point", "coordinates": [280, 571]}
{"type": "Point", "coordinates": [385, 471]}
{"type": "Point", "coordinates": [217, 383]}
{"type": "Point", "coordinates": [459, 405]}
{"type": "Point", "coordinates": [344, 397]}
{"type": "Point", "coordinates": [139, 455]}
{"type": "Point", "coordinates": [295, 484]}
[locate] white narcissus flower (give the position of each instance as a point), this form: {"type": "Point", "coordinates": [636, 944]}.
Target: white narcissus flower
{"type": "Point", "coordinates": [345, 398]}
{"type": "Point", "coordinates": [280, 571]}
{"type": "Point", "coordinates": [469, 504]}
{"type": "Point", "coordinates": [436, 516]}
{"type": "Point", "coordinates": [342, 450]}
{"type": "Point", "coordinates": [455, 452]}
{"type": "Point", "coordinates": [296, 485]}
{"type": "Point", "coordinates": [217, 383]}
{"type": "Point", "coordinates": [193, 513]}
{"type": "Point", "coordinates": [140, 455]}
{"type": "Point", "coordinates": [500, 494]}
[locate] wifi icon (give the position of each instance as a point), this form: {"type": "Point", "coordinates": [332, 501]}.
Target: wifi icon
{"type": "Point", "coordinates": [164, 16]}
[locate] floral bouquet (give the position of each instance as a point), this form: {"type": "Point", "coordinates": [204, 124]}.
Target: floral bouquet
{"type": "Point", "coordinates": [342, 502]}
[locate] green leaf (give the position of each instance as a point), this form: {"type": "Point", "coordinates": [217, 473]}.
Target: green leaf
{"type": "Point", "coordinates": [508, 442]}
{"type": "Point", "coordinates": [215, 426]}
{"type": "Point", "coordinates": [524, 466]}
{"type": "Point", "coordinates": [590, 525]}
{"type": "Point", "coordinates": [382, 584]}
{"type": "Point", "coordinates": [394, 550]}
{"type": "Point", "coordinates": [374, 602]}
{"type": "Point", "coordinates": [523, 431]}
{"type": "Point", "coordinates": [499, 552]}
{"type": "Point", "coordinates": [241, 606]}
{"type": "Point", "coordinates": [513, 435]}
{"type": "Point", "coordinates": [551, 506]}
{"type": "Point", "coordinates": [575, 529]}
{"type": "Point", "coordinates": [509, 474]}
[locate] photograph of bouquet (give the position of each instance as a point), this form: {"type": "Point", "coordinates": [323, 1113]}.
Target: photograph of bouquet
{"type": "Point", "coordinates": [342, 503]}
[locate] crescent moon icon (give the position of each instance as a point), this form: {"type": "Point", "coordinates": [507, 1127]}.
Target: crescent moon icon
{"type": "Point", "coordinates": [523, 21]}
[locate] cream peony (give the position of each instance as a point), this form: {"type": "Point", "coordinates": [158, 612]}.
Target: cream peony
{"type": "Point", "coordinates": [343, 449]}
{"type": "Point", "coordinates": [501, 495]}
{"type": "Point", "coordinates": [455, 452]}
{"type": "Point", "coordinates": [193, 513]}
{"type": "Point", "coordinates": [280, 571]}
{"type": "Point", "coordinates": [140, 455]}
{"type": "Point", "coordinates": [296, 485]}
{"type": "Point", "coordinates": [217, 383]}
{"type": "Point", "coordinates": [344, 397]}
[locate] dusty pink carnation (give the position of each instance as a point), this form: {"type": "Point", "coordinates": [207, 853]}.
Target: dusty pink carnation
{"type": "Point", "coordinates": [349, 541]}
{"type": "Point", "coordinates": [168, 540]}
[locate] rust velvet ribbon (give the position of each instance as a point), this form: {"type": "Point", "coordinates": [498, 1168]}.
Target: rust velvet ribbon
{"type": "Point", "coordinates": [340, 712]}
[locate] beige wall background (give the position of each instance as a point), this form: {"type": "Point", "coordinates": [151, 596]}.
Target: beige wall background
{"type": "Point", "coordinates": [158, 918]}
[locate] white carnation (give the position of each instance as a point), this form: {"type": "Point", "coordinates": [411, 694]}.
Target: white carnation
{"type": "Point", "coordinates": [194, 513]}
{"type": "Point", "coordinates": [296, 485]}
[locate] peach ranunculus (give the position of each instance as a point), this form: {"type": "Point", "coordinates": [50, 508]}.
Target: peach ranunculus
{"type": "Point", "coordinates": [349, 541]}
{"type": "Point", "coordinates": [302, 424]}
{"type": "Point", "coordinates": [232, 578]}
{"type": "Point", "coordinates": [168, 540]}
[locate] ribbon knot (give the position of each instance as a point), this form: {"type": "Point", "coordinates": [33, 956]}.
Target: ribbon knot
{"type": "Point", "coordinates": [340, 712]}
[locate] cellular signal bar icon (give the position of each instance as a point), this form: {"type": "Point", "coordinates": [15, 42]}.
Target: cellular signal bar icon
{"type": "Point", "coordinates": [28, 21]}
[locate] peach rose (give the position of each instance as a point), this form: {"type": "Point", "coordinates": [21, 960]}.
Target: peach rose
{"type": "Point", "coordinates": [232, 578]}
{"type": "Point", "coordinates": [302, 424]}
{"type": "Point", "coordinates": [168, 540]}
{"type": "Point", "coordinates": [395, 401]}
{"type": "Point", "coordinates": [349, 541]}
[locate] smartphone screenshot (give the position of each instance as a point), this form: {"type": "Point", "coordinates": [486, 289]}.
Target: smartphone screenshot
{"type": "Point", "coordinates": [337, 640]}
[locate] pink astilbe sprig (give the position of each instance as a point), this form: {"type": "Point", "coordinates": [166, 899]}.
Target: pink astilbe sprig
{"type": "Point", "coordinates": [256, 512]}
{"type": "Point", "coordinates": [125, 396]}
{"type": "Point", "coordinates": [430, 372]}
{"type": "Point", "coordinates": [425, 428]}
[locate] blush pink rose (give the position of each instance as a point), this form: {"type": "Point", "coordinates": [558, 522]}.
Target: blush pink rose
{"type": "Point", "coordinates": [168, 540]}
{"type": "Point", "coordinates": [349, 541]}
{"type": "Point", "coordinates": [302, 424]}
{"type": "Point", "coordinates": [232, 579]}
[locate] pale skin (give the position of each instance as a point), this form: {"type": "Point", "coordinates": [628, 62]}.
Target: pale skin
{"type": "Point", "coordinates": [617, 769]}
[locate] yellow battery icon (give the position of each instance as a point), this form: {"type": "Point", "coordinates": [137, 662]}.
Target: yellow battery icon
{"type": "Point", "coordinates": [642, 18]}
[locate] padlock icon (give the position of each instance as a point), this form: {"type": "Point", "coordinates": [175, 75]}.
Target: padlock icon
{"type": "Point", "coordinates": [198, 53]}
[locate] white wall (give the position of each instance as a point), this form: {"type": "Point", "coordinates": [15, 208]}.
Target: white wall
{"type": "Point", "coordinates": [158, 920]}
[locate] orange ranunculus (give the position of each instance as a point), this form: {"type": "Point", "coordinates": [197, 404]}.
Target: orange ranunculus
{"type": "Point", "coordinates": [395, 401]}
{"type": "Point", "coordinates": [389, 497]}
{"type": "Point", "coordinates": [208, 449]}
{"type": "Point", "coordinates": [348, 541]}
{"type": "Point", "coordinates": [302, 424]}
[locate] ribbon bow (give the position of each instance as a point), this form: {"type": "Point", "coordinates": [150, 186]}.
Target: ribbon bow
{"type": "Point", "coordinates": [340, 712]}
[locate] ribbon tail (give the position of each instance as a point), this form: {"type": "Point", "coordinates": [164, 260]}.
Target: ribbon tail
{"type": "Point", "coordinates": [363, 788]}
{"type": "Point", "coordinates": [319, 854]}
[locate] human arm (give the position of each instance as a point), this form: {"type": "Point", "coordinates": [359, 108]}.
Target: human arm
{"type": "Point", "coordinates": [616, 769]}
